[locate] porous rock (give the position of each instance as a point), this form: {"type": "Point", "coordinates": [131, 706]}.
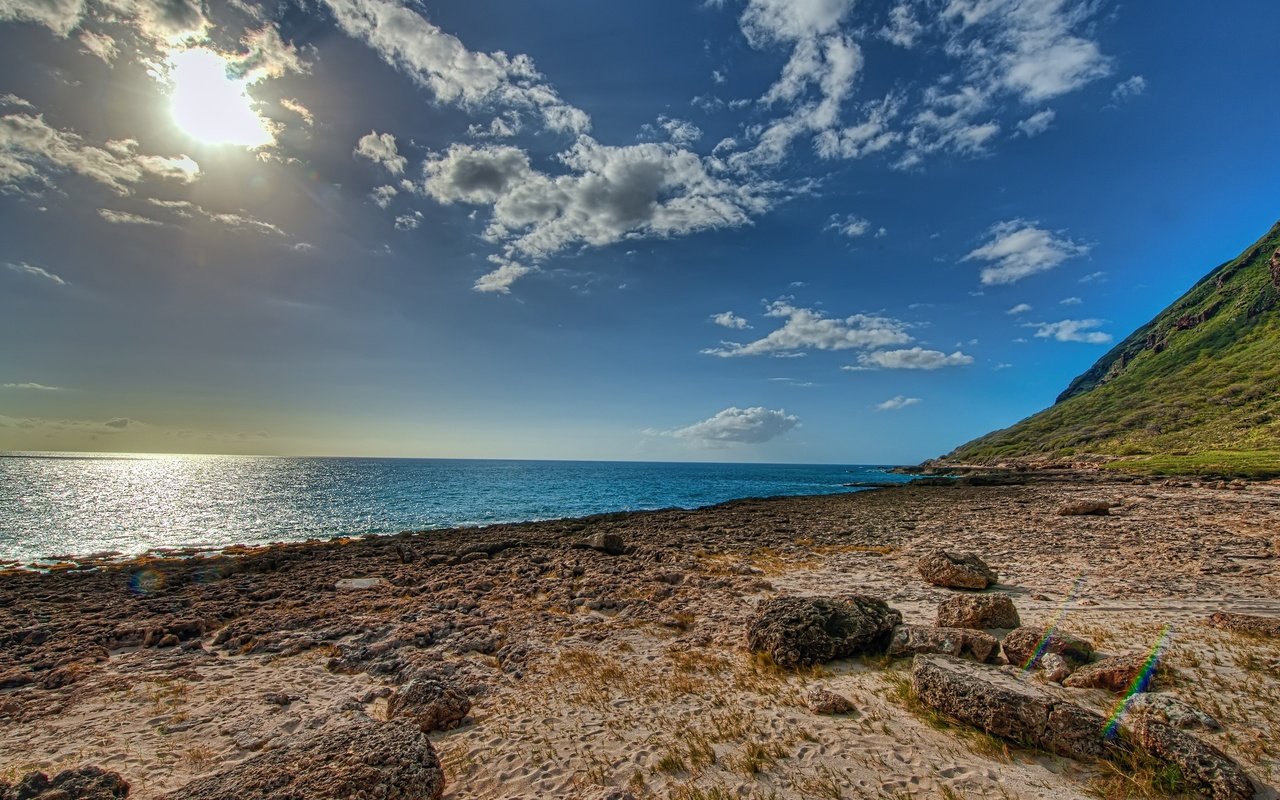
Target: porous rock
{"type": "Point", "coordinates": [1169, 709]}
{"type": "Point", "coordinates": [956, 570]}
{"type": "Point", "coordinates": [1245, 623]}
{"type": "Point", "coordinates": [1085, 508]}
{"type": "Point", "coordinates": [908, 640]}
{"type": "Point", "coordinates": [999, 703]}
{"type": "Point", "coordinates": [1115, 674]}
{"type": "Point", "coordinates": [609, 543]}
{"type": "Point", "coordinates": [825, 701]}
{"type": "Point", "coordinates": [1056, 669]}
{"type": "Point", "coordinates": [1024, 647]}
{"type": "Point", "coordinates": [981, 611]}
{"type": "Point", "coordinates": [802, 631]}
{"type": "Point", "coordinates": [83, 783]}
{"type": "Point", "coordinates": [429, 704]}
{"type": "Point", "coordinates": [1201, 764]}
{"type": "Point", "coordinates": [387, 761]}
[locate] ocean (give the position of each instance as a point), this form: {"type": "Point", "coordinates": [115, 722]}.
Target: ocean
{"type": "Point", "coordinates": [58, 505]}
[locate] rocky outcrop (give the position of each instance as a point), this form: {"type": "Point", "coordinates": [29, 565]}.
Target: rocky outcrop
{"type": "Point", "coordinates": [909, 640]}
{"type": "Point", "coordinates": [825, 701]}
{"type": "Point", "coordinates": [1202, 765]}
{"type": "Point", "coordinates": [1170, 710]}
{"type": "Point", "coordinates": [1082, 508]}
{"type": "Point", "coordinates": [802, 631]}
{"type": "Point", "coordinates": [608, 542]}
{"type": "Point", "coordinates": [1115, 674]}
{"type": "Point", "coordinates": [84, 783]}
{"type": "Point", "coordinates": [1275, 269]}
{"type": "Point", "coordinates": [429, 704]}
{"type": "Point", "coordinates": [388, 761]}
{"type": "Point", "coordinates": [981, 611]}
{"type": "Point", "coordinates": [997, 702]}
{"type": "Point", "coordinates": [1024, 647]}
{"type": "Point", "coordinates": [1245, 623]}
{"type": "Point", "coordinates": [956, 570]}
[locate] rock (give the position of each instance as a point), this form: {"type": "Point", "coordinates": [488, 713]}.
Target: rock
{"type": "Point", "coordinates": [909, 640]}
{"type": "Point", "coordinates": [802, 631]}
{"type": "Point", "coordinates": [1245, 623]}
{"type": "Point", "coordinates": [168, 640]}
{"type": "Point", "coordinates": [388, 761]}
{"type": "Point", "coordinates": [955, 570]}
{"type": "Point", "coordinates": [1086, 508]}
{"type": "Point", "coordinates": [610, 543]}
{"type": "Point", "coordinates": [1201, 764]}
{"type": "Point", "coordinates": [824, 701]}
{"type": "Point", "coordinates": [981, 611]}
{"type": "Point", "coordinates": [1170, 710]}
{"type": "Point", "coordinates": [1056, 669]}
{"type": "Point", "coordinates": [1025, 646]}
{"type": "Point", "coordinates": [348, 584]}
{"type": "Point", "coordinates": [997, 702]}
{"type": "Point", "coordinates": [83, 783]}
{"type": "Point", "coordinates": [279, 698]}
{"type": "Point", "coordinates": [429, 704]}
{"type": "Point", "coordinates": [1115, 674]}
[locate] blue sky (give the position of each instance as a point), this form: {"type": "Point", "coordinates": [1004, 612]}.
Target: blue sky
{"type": "Point", "coordinates": [813, 231]}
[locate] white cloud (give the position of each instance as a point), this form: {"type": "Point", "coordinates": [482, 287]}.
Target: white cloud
{"type": "Point", "coordinates": [99, 45]}
{"type": "Point", "coordinates": [897, 402]}
{"type": "Point", "coordinates": [158, 22]}
{"type": "Point", "coordinates": [1095, 277]}
{"type": "Point", "coordinates": [240, 220]}
{"type": "Point", "coordinates": [807, 329]}
{"type": "Point", "coordinates": [902, 28]}
{"type": "Point", "coordinates": [408, 222]}
{"type": "Point", "coordinates": [1129, 88]}
{"type": "Point", "coordinates": [30, 148]}
{"type": "Point", "coordinates": [1018, 248]}
{"type": "Point", "coordinates": [23, 268]}
{"type": "Point", "coordinates": [738, 426]}
{"type": "Point", "coordinates": [1037, 123]}
{"type": "Point", "coordinates": [499, 280]}
{"type": "Point", "coordinates": [126, 218]}
{"type": "Point", "coordinates": [1070, 301]}
{"type": "Point", "coordinates": [38, 387]}
{"type": "Point", "coordinates": [1020, 308]}
{"type": "Point", "coordinates": [679, 132]}
{"type": "Point", "coordinates": [454, 74]}
{"type": "Point", "coordinates": [728, 319]}
{"type": "Point", "coordinates": [913, 358]}
{"type": "Point", "coordinates": [380, 148]}
{"type": "Point", "coordinates": [1071, 330]}
{"type": "Point", "coordinates": [850, 225]}
{"type": "Point", "coordinates": [298, 108]}
{"type": "Point", "coordinates": [383, 195]}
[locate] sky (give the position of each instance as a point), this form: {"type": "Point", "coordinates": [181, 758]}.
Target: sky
{"type": "Point", "coordinates": [824, 231]}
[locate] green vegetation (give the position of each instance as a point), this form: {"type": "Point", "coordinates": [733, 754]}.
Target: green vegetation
{"type": "Point", "coordinates": [1197, 389]}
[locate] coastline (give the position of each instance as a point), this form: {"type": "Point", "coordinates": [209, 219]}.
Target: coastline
{"type": "Point", "coordinates": [587, 670]}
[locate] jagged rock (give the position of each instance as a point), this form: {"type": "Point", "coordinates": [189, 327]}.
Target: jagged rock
{"type": "Point", "coordinates": [429, 704]}
{"type": "Point", "coordinates": [1025, 646]}
{"type": "Point", "coordinates": [981, 611]}
{"type": "Point", "coordinates": [1115, 674]}
{"type": "Point", "coordinates": [909, 640]}
{"type": "Point", "coordinates": [83, 783]}
{"type": "Point", "coordinates": [1056, 669]}
{"type": "Point", "coordinates": [387, 761]}
{"type": "Point", "coordinates": [824, 701]}
{"type": "Point", "coordinates": [1201, 764]}
{"type": "Point", "coordinates": [1085, 508]}
{"type": "Point", "coordinates": [610, 543]}
{"type": "Point", "coordinates": [1245, 623]}
{"type": "Point", "coordinates": [1169, 709]}
{"type": "Point", "coordinates": [802, 631]}
{"type": "Point", "coordinates": [956, 570]}
{"type": "Point", "coordinates": [997, 702]}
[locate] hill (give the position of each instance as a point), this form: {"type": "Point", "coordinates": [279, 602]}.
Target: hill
{"type": "Point", "coordinates": [1196, 388]}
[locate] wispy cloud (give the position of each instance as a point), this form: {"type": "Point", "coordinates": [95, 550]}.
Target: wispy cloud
{"type": "Point", "coordinates": [39, 387]}
{"type": "Point", "coordinates": [1071, 330]}
{"type": "Point", "coordinates": [912, 358]}
{"type": "Point", "coordinates": [1129, 88]}
{"type": "Point", "coordinates": [1020, 308]}
{"type": "Point", "coordinates": [126, 218]}
{"type": "Point", "coordinates": [1019, 248]}
{"type": "Point", "coordinates": [895, 403]}
{"type": "Point", "coordinates": [728, 319]}
{"type": "Point", "coordinates": [850, 225]}
{"type": "Point", "coordinates": [23, 268]}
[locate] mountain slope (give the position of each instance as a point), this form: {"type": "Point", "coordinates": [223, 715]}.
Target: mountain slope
{"type": "Point", "coordinates": [1203, 376]}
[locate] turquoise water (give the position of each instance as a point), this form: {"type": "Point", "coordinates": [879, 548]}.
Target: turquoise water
{"type": "Point", "coordinates": [77, 505]}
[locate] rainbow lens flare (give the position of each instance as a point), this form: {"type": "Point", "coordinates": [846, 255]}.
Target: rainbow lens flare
{"type": "Point", "coordinates": [1140, 682]}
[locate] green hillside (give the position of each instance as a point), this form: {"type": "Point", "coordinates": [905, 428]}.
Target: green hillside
{"type": "Point", "coordinates": [1198, 386]}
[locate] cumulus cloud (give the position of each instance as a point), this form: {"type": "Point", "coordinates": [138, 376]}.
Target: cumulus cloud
{"type": "Point", "coordinates": [738, 426]}
{"type": "Point", "coordinates": [897, 402]}
{"type": "Point", "coordinates": [156, 22]}
{"type": "Point", "coordinates": [408, 222]}
{"type": "Point", "coordinates": [380, 148]}
{"type": "Point", "coordinates": [807, 329]}
{"type": "Point", "coordinates": [126, 218]}
{"type": "Point", "coordinates": [912, 358]}
{"type": "Point", "coordinates": [1129, 88]}
{"type": "Point", "coordinates": [850, 225]}
{"type": "Point", "coordinates": [679, 132]}
{"type": "Point", "coordinates": [728, 319]}
{"type": "Point", "coordinates": [1037, 123]}
{"type": "Point", "coordinates": [23, 268]}
{"type": "Point", "coordinates": [1020, 308]}
{"type": "Point", "coordinates": [1072, 330]}
{"type": "Point", "coordinates": [1019, 248]}
{"type": "Point", "coordinates": [383, 195]}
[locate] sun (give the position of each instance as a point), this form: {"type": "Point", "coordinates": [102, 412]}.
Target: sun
{"type": "Point", "coordinates": [209, 104]}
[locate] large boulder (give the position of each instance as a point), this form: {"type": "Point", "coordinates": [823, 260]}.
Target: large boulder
{"type": "Point", "coordinates": [981, 611]}
{"type": "Point", "coordinates": [1202, 765]}
{"type": "Point", "coordinates": [1245, 623]}
{"type": "Point", "coordinates": [1115, 674]}
{"type": "Point", "coordinates": [607, 542]}
{"type": "Point", "coordinates": [908, 640]}
{"type": "Point", "coordinates": [83, 783]}
{"type": "Point", "coordinates": [429, 704]}
{"type": "Point", "coordinates": [387, 761]}
{"type": "Point", "coordinates": [802, 631]}
{"type": "Point", "coordinates": [956, 570]}
{"type": "Point", "coordinates": [999, 703]}
{"type": "Point", "coordinates": [1024, 647]}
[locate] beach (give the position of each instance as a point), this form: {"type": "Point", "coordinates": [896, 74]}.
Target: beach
{"type": "Point", "coordinates": [607, 656]}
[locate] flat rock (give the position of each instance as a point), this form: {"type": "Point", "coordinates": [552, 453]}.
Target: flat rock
{"type": "Point", "coordinates": [83, 783]}
{"type": "Point", "coordinates": [1201, 764]}
{"type": "Point", "coordinates": [1245, 623]}
{"type": "Point", "coordinates": [999, 703]}
{"type": "Point", "coordinates": [1170, 710]}
{"type": "Point", "coordinates": [1115, 674]}
{"type": "Point", "coordinates": [980, 611]}
{"type": "Point", "coordinates": [802, 631]}
{"type": "Point", "coordinates": [348, 584]}
{"type": "Point", "coordinates": [825, 701]}
{"type": "Point", "coordinates": [1085, 508]}
{"type": "Point", "coordinates": [908, 640]}
{"type": "Point", "coordinates": [387, 761]}
{"type": "Point", "coordinates": [429, 704]}
{"type": "Point", "coordinates": [956, 570]}
{"type": "Point", "coordinates": [1024, 647]}
{"type": "Point", "coordinates": [609, 543]}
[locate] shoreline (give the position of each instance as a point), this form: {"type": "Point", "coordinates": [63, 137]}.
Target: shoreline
{"type": "Point", "coordinates": [583, 663]}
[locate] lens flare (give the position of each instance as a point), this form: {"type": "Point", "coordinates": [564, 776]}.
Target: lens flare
{"type": "Point", "coordinates": [1052, 628]}
{"type": "Point", "coordinates": [146, 581]}
{"type": "Point", "coordinates": [209, 103]}
{"type": "Point", "coordinates": [1140, 683]}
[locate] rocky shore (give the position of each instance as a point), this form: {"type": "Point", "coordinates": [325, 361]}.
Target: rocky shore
{"type": "Point", "coordinates": [1021, 639]}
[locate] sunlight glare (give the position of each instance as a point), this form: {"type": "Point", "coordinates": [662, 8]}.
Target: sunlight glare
{"type": "Point", "coordinates": [209, 104]}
